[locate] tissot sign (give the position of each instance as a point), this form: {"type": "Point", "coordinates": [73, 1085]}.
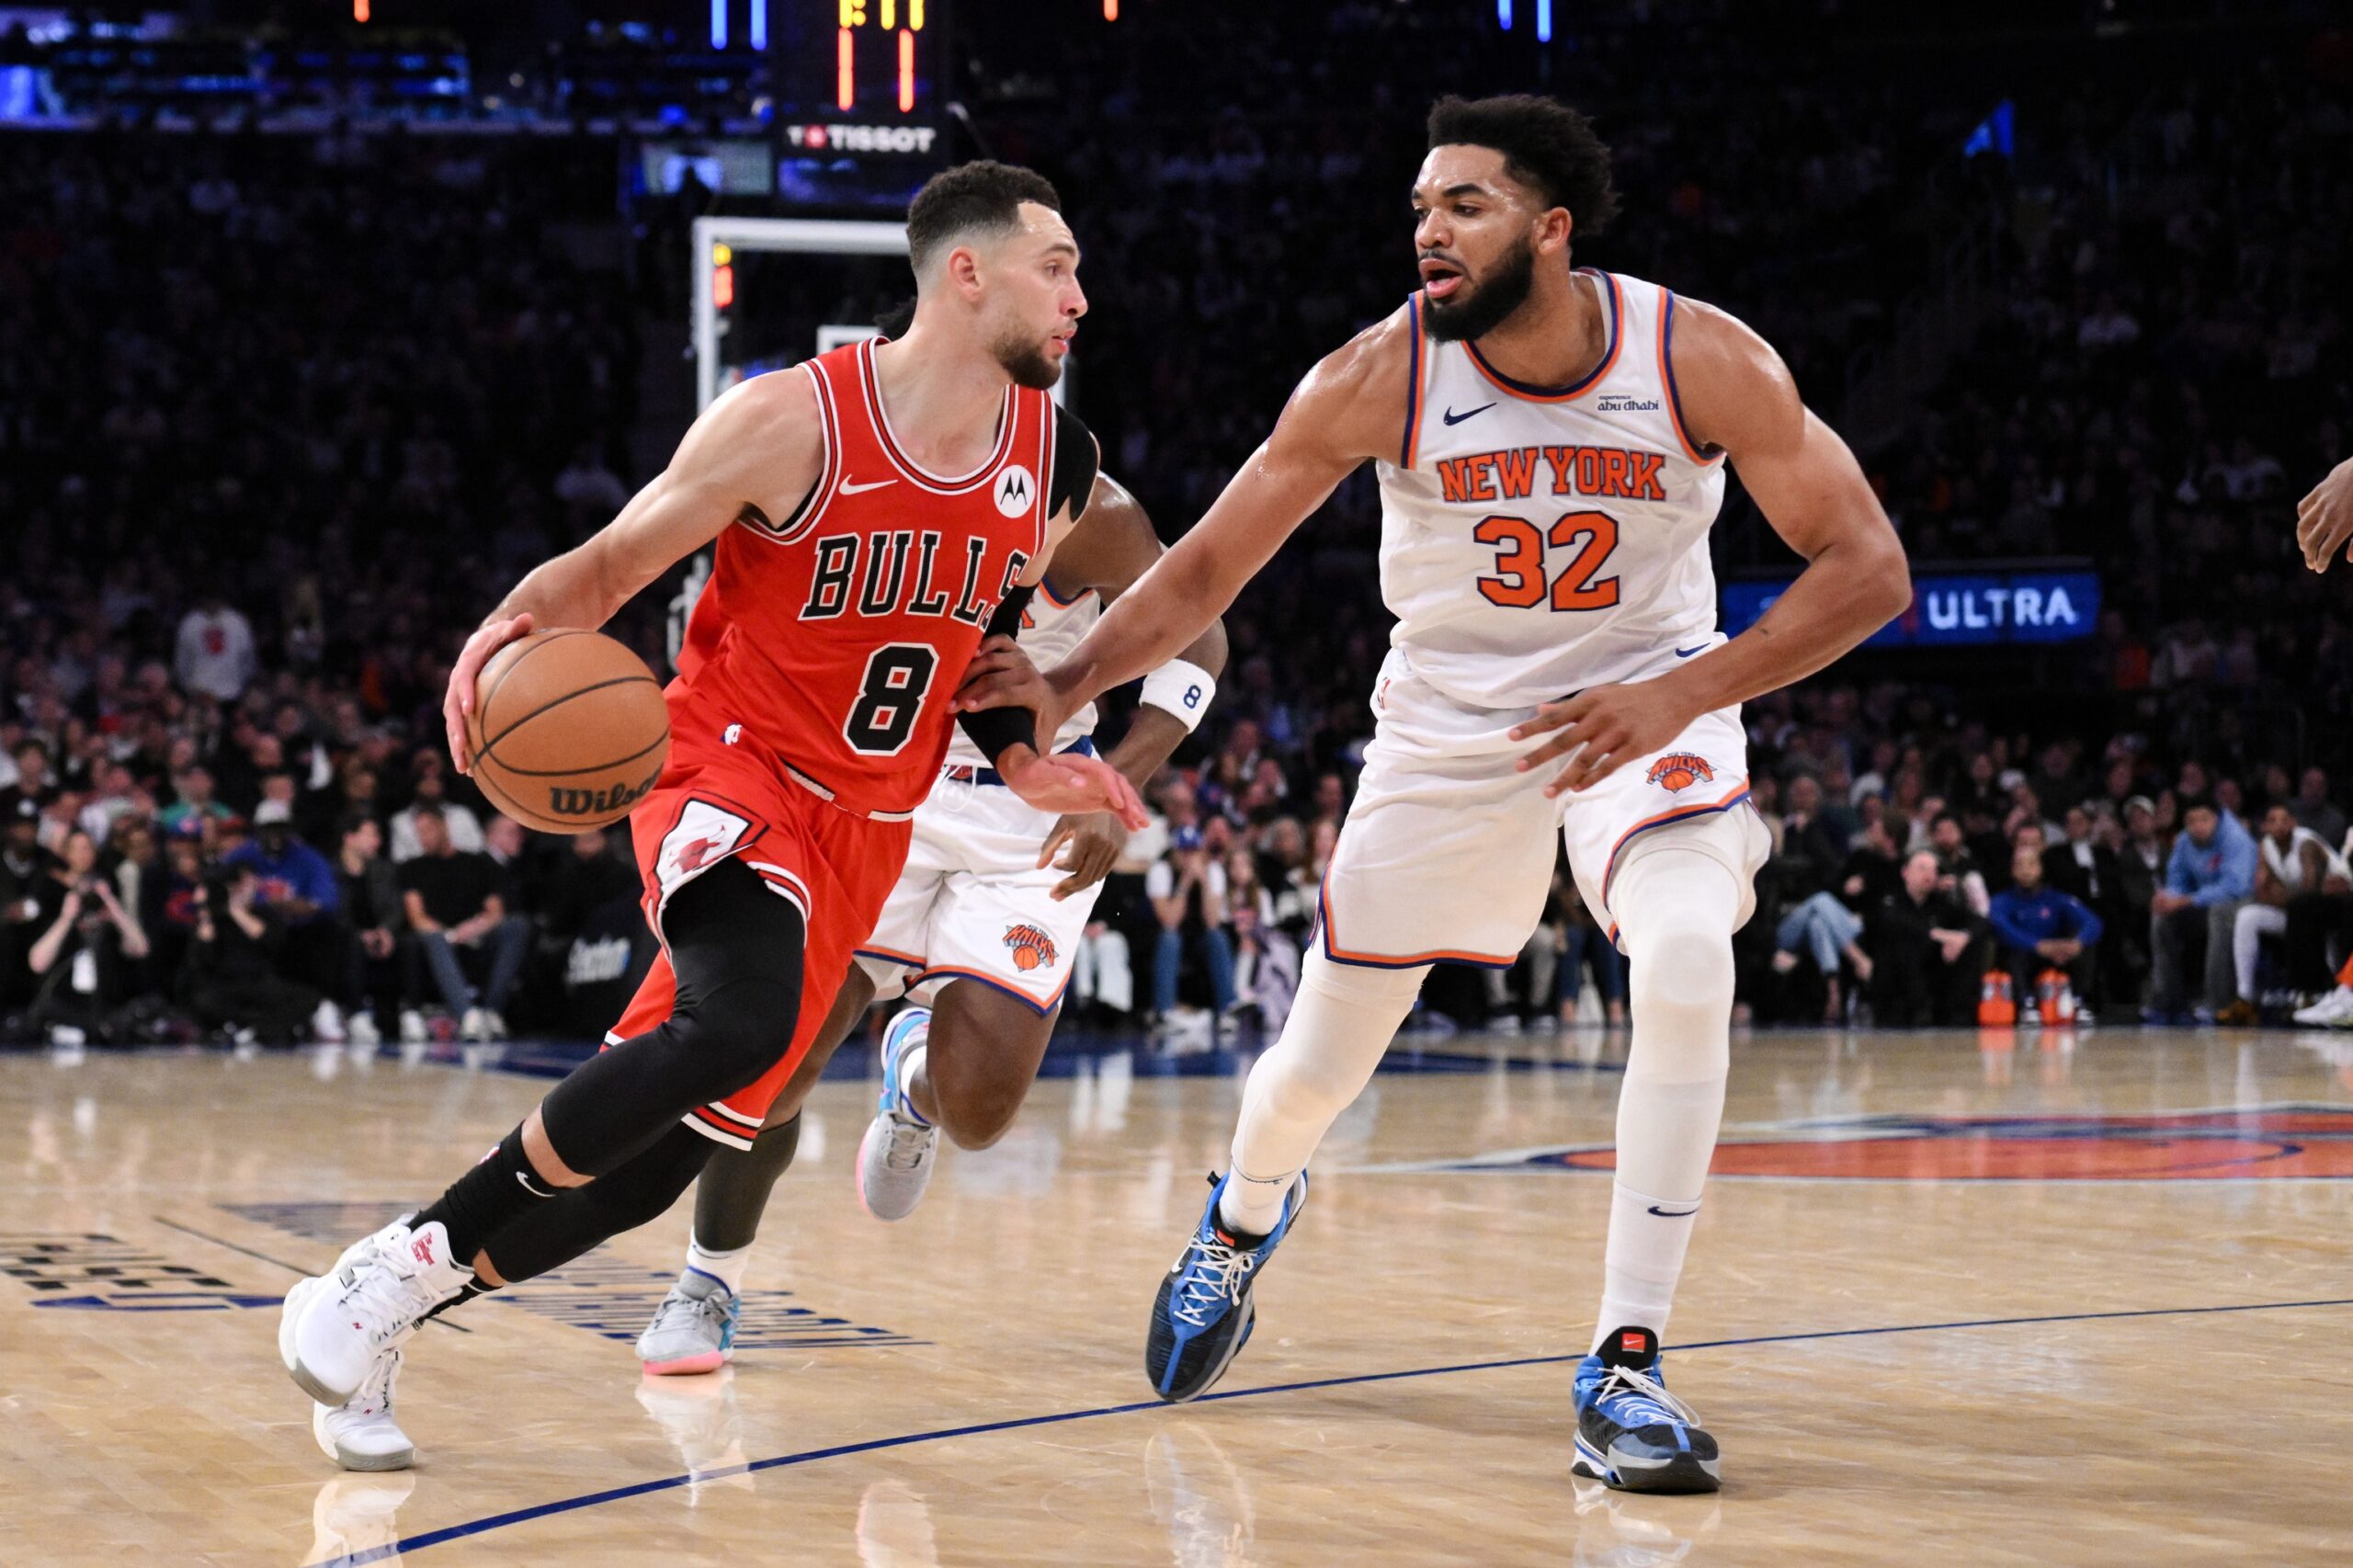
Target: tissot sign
{"type": "Point", "coordinates": [1950, 609]}
{"type": "Point", "coordinates": [845, 136]}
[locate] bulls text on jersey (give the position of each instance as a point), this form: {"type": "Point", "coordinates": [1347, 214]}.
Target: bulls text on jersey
{"type": "Point", "coordinates": [901, 571]}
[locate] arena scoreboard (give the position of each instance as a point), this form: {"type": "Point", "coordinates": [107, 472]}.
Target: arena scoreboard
{"type": "Point", "coordinates": [861, 91]}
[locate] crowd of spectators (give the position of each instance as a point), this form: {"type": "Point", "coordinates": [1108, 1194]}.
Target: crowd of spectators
{"type": "Point", "coordinates": [283, 414]}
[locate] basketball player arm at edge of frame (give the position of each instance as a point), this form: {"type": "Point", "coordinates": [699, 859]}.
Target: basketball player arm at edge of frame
{"type": "Point", "coordinates": [1110, 550]}
{"type": "Point", "coordinates": [755, 453]}
{"type": "Point", "coordinates": [1736, 397]}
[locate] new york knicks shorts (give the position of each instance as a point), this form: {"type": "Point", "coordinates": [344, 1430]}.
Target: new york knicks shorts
{"type": "Point", "coordinates": [835, 866]}
{"type": "Point", "coordinates": [1446, 852]}
{"type": "Point", "coordinates": [972, 904]}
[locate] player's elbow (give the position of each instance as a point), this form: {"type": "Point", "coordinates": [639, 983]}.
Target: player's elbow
{"type": "Point", "coordinates": [1886, 586]}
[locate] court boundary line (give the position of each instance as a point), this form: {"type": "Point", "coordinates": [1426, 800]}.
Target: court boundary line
{"type": "Point", "coordinates": [488, 1523]}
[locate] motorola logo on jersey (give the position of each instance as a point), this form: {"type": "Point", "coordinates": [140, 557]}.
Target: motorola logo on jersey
{"type": "Point", "coordinates": [1017, 491]}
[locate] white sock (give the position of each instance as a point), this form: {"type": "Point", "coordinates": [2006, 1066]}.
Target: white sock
{"type": "Point", "coordinates": [1677, 909]}
{"type": "Point", "coordinates": [1339, 1025]}
{"type": "Point", "coordinates": [728, 1268]}
{"type": "Point", "coordinates": [911, 1068]}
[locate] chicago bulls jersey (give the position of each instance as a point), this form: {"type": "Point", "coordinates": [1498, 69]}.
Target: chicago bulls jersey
{"type": "Point", "coordinates": [1539, 540]}
{"type": "Point", "coordinates": [831, 641]}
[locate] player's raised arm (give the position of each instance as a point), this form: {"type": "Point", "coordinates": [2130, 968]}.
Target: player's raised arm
{"type": "Point", "coordinates": [1109, 555]}
{"type": "Point", "coordinates": [1350, 407]}
{"type": "Point", "coordinates": [759, 449]}
{"type": "Point", "coordinates": [1738, 397]}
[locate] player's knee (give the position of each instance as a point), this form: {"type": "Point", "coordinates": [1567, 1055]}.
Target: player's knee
{"type": "Point", "coordinates": [738, 1032]}
{"type": "Point", "coordinates": [976, 1115]}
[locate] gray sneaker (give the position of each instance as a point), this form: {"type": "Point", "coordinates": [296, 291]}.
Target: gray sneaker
{"type": "Point", "coordinates": [894, 1161]}
{"type": "Point", "coordinates": [693, 1330]}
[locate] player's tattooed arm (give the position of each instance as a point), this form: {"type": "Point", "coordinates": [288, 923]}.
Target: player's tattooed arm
{"type": "Point", "coordinates": [1739, 398]}
{"type": "Point", "coordinates": [759, 449]}
{"type": "Point", "coordinates": [1351, 406]}
{"type": "Point", "coordinates": [1113, 548]}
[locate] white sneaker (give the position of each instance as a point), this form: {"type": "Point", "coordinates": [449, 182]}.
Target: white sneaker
{"type": "Point", "coordinates": [693, 1330]}
{"type": "Point", "coordinates": [413, 1030]}
{"type": "Point", "coordinates": [360, 1432]}
{"type": "Point", "coordinates": [1503, 1023]}
{"type": "Point", "coordinates": [332, 1327]}
{"type": "Point", "coordinates": [364, 1031]}
{"type": "Point", "coordinates": [327, 1023]}
{"type": "Point", "coordinates": [2333, 1008]}
{"type": "Point", "coordinates": [495, 1022]}
{"type": "Point", "coordinates": [895, 1160]}
{"type": "Point", "coordinates": [475, 1024]}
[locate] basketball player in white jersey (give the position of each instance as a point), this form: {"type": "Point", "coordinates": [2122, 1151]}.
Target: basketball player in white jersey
{"type": "Point", "coordinates": [1551, 446]}
{"type": "Point", "coordinates": [983, 926]}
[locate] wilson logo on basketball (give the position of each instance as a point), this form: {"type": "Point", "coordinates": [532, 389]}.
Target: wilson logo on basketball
{"type": "Point", "coordinates": [1032, 949]}
{"type": "Point", "coordinates": [600, 804]}
{"type": "Point", "coordinates": [1680, 771]}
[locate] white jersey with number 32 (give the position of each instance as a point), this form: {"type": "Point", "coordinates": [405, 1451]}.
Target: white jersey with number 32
{"type": "Point", "coordinates": [1539, 540]}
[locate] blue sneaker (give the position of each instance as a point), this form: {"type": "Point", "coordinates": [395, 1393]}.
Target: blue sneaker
{"type": "Point", "coordinates": [1632, 1433]}
{"type": "Point", "coordinates": [1203, 1315]}
{"type": "Point", "coordinates": [896, 1157]}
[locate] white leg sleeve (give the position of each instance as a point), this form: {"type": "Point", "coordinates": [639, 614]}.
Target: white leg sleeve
{"type": "Point", "coordinates": [1115, 980]}
{"type": "Point", "coordinates": [1676, 910]}
{"type": "Point", "coordinates": [2255, 922]}
{"type": "Point", "coordinates": [1339, 1025]}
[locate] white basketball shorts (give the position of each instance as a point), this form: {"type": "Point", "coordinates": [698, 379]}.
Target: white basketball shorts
{"type": "Point", "coordinates": [1447, 852]}
{"type": "Point", "coordinates": [972, 904]}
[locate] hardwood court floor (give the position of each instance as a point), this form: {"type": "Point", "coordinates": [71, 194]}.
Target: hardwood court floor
{"type": "Point", "coordinates": [2026, 1305]}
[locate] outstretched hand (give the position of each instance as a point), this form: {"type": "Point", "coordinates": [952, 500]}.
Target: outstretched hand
{"type": "Point", "coordinates": [1001, 675]}
{"type": "Point", "coordinates": [2325, 518]}
{"type": "Point", "coordinates": [458, 703]}
{"type": "Point", "coordinates": [1606, 728]}
{"type": "Point", "coordinates": [1071, 782]}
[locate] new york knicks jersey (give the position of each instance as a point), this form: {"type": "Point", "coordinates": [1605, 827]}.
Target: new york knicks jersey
{"type": "Point", "coordinates": [1539, 540]}
{"type": "Point", "coordinates": [1051, 628]}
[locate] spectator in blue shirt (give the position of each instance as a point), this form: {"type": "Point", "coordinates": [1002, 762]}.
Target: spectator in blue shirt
{"type": "Point", "coordinates": [2036, 927]}
{"type": "Point", "coordinates": [297, 890]}
{"type": "Point", "coordinates": [2210, 874]}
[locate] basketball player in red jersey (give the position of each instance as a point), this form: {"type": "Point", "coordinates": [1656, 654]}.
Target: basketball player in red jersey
{"type": "Point", "coordinates": [877, 512]}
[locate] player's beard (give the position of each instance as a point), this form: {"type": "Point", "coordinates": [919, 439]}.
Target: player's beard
{"type": "Point", "coordinates": [1489, 303]}
{"type": "Point", "coordinates": [1023, 360]}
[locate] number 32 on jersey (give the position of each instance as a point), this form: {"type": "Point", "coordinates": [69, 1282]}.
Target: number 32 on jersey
{"type": "Point", "coordinates": [1521, 579]}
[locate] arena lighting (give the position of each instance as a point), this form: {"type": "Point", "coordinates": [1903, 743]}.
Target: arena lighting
{"type": "Point", "coordinates": [1110, 10]}
{"type": "Point", "coordinates": [361, 10]}
{"type": "Point", "coordinates": [1503, 14]}
{"type": "Point", "coordinates": [719, 24]}
{"type": "Point", "coordinates": [845, 72]}
{"type": "Point", "coordinates": [722, 288]}
{"type": "Point", "coordinates": [906, 71]}
{"type": "Point", "coordinates": [1543, 21]}
{"type": "Point", "coordinates": [759, 24]}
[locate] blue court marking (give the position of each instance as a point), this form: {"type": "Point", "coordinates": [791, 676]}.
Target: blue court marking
{"type": "Point", "coordinates": [811, 1456]}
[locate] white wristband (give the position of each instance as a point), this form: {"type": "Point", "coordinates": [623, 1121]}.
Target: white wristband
{"type": "Point", "coordinates": [1181, 689]}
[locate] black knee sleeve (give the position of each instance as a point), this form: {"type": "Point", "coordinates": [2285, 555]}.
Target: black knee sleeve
{"type": "Point", "coordinates": [736, 948]}
{"type": "Point", "coordinates": [637, 1193]}
{"type": "Point", "coordinates": [735, 1188]}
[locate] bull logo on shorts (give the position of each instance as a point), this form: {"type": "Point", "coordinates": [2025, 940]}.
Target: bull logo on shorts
{"type": "Point", "coordinates": [692, 856]}
{"type": "Point", "coordinates": [1032, 949]}
{"type": "Point", "coordinates": [1679, 771]}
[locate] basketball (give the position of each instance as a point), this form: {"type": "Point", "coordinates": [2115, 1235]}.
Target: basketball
{"type": "Point", "coordinates": [569, 730]}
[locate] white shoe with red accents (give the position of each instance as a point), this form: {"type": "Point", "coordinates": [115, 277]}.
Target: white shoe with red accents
{"type": "Point", "coordinates": [332, 1327]}
{"type": "Point", "coordinates": [360, 1432]}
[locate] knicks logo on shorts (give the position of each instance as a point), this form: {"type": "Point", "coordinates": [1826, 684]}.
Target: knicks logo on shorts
{"type": "Point", "coordinates": [1679, 771]}
{"type": "Point", "coordinates": [1032, 949]}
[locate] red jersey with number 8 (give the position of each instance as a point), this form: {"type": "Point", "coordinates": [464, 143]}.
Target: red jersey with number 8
{"type": "Point", "coordinates": [830, 642]}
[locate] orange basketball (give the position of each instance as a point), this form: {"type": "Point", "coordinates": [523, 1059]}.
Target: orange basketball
{"type": "Point", "coordinates": [569, 730]}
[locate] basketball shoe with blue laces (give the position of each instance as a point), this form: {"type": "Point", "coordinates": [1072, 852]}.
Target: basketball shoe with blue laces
{"type": "Point", "coordinates": [896, 1157]}
{"type": "Point", "coordinates": [1204, 1313]}
{"type": "Point", "coordinates": [1632, 1433]}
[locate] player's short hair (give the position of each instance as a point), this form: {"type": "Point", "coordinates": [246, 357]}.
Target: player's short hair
{"type": "Point", "coordinates": [979, 198]}
{"type": "Point", "coordinates": [1546, 146]}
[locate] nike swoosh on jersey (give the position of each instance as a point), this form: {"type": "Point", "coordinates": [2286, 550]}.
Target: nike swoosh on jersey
{"type": "Point", "coordinates": [1453, 418]}
{"type": "Point", "coordinates": [849, 489]}
{"type": "Point", "coordinates": [1675, 1213]}
{"type": "Point", "coordinates": [1688, 653]}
